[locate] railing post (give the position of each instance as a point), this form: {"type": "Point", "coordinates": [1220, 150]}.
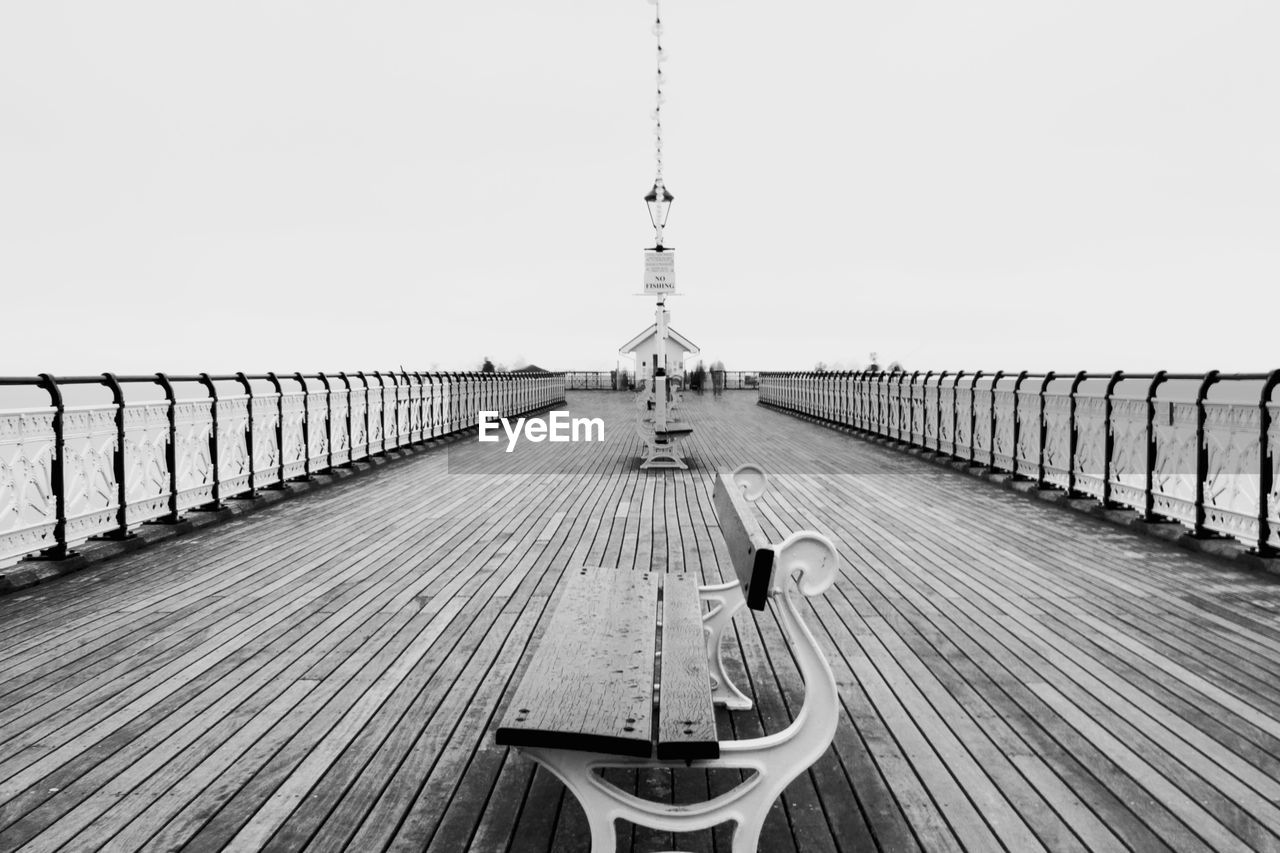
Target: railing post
{"type": "Point", "coordinates": [924, 409]}
{"type": "Point", "coordinates": [1073, 435]}
{"type": "Point", "coordinates": [1148, 494]}
{"type": "Point", "coordinates": [955, 412]}
{"type": "Point", "coordinates": [213, 440]}
{"type": "Point", "coordinates": [57, 480]}
{"type": "Point", "coordinates": [423, 430]}
{"type": "Point", "coordinates": [364, 380]}
{"type": "Point", "coordinates": [911, 410]}
{"type": "Point", "coordinates": [306, 426]}
{"type": "Point", "coordinates": [395, 384]}
{"type": "Point", "coordinates": [879, 407]}
{"type": "Point", "coordinates": [249, 438]}
{"type": "Point", "coordinates": [991, 439]}
{"type": "Point", "coordinates": [171, 454]}
{"type": "Point", "coordinates": [351, 422]}
{"type": "Point", "coordinates": [1265, 476]}
{"type": "Point", "coordinates": [118, 463]}
{"type": "Point", "coordinates": [328, 417]}
{"type": "Point", "coordinates": [1108, 441]}
{"type": "Point", "coordinates": [275, 382]}
{"type": "Point", "coordinates": [429, 392]}
{"type": "Point", "coordinates": [973, 418]}
{"type": "Point", "coordinates": [854, 379]}
{"type": "Point", "coordinates": [1017, 431]}
{"type": "Point", "coordinates": [1044, 427]}
{"type": "Point", "coordinates": [1202, 452]}
{"type": "Point", "coordinates": [382, 409]}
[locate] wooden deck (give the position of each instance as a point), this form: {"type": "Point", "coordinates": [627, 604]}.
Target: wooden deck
{"type": "Point", "coordinates": [325, 674]}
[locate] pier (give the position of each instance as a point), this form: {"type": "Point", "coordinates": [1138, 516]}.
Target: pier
{"type": "Point", "coordinates": [325, 673]}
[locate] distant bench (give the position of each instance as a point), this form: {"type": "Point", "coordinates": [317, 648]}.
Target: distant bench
{"type": "Point", "coordinates": [629, 668]}
{"type": "Point", "coordinates": [660, 443]}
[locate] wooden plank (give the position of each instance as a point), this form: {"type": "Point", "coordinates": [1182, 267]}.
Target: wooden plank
{"type": "Point", "coordinates": [590, 683]}
{"type": "Point", "coordinates": [686, 717]}
{"type": "Point", "coordinates": [748, 547]}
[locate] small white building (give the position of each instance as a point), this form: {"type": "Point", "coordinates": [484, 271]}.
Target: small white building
{"type": "Point", "coordinates": [644, 349]}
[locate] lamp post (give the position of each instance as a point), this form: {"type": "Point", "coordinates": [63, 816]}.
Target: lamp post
{"type": "Point", "coordinates": [659, 203]}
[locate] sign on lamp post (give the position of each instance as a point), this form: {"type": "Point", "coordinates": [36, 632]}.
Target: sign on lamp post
{"type": "Point", "coordinates": [659, 271]}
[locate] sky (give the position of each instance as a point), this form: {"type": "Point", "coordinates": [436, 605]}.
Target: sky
{"type": "Point", "coordinates": [1084, 184]}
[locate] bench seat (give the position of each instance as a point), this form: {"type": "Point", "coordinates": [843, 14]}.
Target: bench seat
{"type": "Point", "coordinates": [604, 639]}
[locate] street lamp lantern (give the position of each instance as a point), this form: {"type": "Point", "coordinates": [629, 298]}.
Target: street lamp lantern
{"type": "Point", "coordinates": [659, 202]}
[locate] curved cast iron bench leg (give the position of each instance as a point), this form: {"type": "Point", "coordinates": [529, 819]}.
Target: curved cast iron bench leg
{"type": "Point", "coordinates": [726, 600]}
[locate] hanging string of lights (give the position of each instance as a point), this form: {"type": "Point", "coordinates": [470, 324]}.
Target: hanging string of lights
{"type": "Point", "coordinates": [658, 199]}
{"type": "Point", "coordinates": [661, 81]}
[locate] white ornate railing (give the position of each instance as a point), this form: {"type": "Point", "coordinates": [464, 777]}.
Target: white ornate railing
{"type": "Point", "coordinates": [71, 472]}
{"type": "Point", "coordinates": [1210, 464]}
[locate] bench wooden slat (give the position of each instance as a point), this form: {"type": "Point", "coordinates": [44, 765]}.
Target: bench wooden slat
{"type": "Point", "coordinates": [751, 552]}
{"type": "Point", "coordinates": [602, 641]}
{"type": "Point", "coordinates": [686, 717]}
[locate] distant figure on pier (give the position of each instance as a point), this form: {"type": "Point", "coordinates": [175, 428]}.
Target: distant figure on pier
{"type": "Point", "coordinates": [717, 378]}
{"type": "Point", "coordinates": [698, 379]}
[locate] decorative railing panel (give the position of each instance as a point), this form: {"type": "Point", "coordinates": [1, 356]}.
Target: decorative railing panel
{"type": "Point", "coordinates": [413, 411]}
{"type": "Point", "coordinates": [390, 415]}
{"type": "Point", "coordinates": [1057, 440]}
{"type": "Point", "coordinates": [916, 395]}
{"type": "Point", "coordinates": [931, 413]}
{"type": "Point", "coordinates": [1212, 465]}
{"type": "Point", "coordinates": [193, 453]}
{"type": "Point", "coordinates": [377, 419]}
{"type": "Point", "coordinates": [964, 422]}
{"type": "Point", "coordinates": [946, 419]}
{"type": "Point", "coordinates": [266, 440]}
{"type": "Point", "coordinates": [359, 423]}
{"type": "Point", "coordinates": [1027, 461]}
{"type": "Point", "coordinates": [93, 496]}
{"type": "Point", "coordinates": [71, 472]}
{"type": "Point", "coordinates": [293, 449]}
{"type": "Point", "coordinates": [982, 402]}
{"type": "Point", "coordinates": [317, 417]}
{"type": "Point", "coordinates": [146, 464]}
{"type": "Point", "coordinates": [28, 513]}
{"type": "Point", "coordinates": [1002, 446]}
{"type": "Point", "coordinates": [1091, 445]}
{"type": "Point", "coordinates": [1173, 477]}
{"type": "Point", "coordinates": [1232, 476]}
{"type": "Point", "coordinates": [234, 463]}
{"type": "Point", "coordinates": [340, 426]}
{"type": "Point", "coordinates": [1128, 475]}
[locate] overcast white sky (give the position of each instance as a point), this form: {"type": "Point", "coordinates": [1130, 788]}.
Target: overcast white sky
{"type": "Point", "coordinates": [321, 186]}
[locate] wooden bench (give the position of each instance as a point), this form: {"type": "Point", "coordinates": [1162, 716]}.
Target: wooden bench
{"type": "Point", "coordinates": [629, 668]}
{"type": "Point", "coordinates": [660, 443]}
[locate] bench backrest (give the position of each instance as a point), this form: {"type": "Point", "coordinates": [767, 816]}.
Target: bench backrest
{"type": "Point", "coordinates": [751, 552]}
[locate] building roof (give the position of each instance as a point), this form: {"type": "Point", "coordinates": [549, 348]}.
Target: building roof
{"type": "Point", "coordinates": [672, 335]}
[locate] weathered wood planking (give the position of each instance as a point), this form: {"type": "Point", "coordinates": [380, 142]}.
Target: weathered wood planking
{"type": "Point", "coordinates": [686, 717]}
{"type": "Point", "coordinates": [610, 708]}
